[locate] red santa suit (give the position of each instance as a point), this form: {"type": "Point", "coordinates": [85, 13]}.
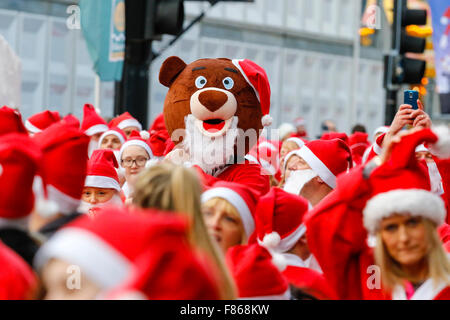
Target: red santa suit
{"type": "Point", "coordinates": [336, 234]}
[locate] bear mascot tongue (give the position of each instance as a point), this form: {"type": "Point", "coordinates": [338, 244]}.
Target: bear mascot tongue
{"type": "Point", "coordinates": [214, 112]}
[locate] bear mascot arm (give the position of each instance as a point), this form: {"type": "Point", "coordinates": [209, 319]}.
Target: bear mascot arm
{"type": "Point", "coordinates": [214, 112]}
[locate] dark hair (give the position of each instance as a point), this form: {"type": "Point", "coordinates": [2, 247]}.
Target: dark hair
{"type": "Point", "coordinates": [359, 128]}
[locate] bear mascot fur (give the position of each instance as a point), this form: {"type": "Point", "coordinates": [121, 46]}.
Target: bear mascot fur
{"type": "Point", "coordinates": [214, 112]}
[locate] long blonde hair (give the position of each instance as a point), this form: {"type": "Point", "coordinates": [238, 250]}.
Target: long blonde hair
{"type": "Point", "coordinates": [166, 186]}
{"type": "Point", "coordinates": [436, 259]}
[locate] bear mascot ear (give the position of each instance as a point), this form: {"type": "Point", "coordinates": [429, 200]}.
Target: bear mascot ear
{"type": "Point", "coordinates": [170, 70]}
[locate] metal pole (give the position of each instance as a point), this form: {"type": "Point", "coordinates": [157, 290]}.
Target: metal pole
{"type": "Point", "coordinates": [355, 65]}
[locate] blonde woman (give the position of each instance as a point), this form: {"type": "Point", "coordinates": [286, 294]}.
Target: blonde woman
{"type": "Point", "coordinates": [166, 186]}
{"type": "Point", "coordinates": [228, 210]}
{"type": "Point", "coordinates": [408, 261]}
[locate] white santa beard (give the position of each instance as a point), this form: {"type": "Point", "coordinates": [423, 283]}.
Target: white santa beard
{"type": "Point", "coordinates": [114, 201]}
{"type": "Point", "coordinates": [297, 180]}
{"type": "Point", "coordinates": [206, 152]}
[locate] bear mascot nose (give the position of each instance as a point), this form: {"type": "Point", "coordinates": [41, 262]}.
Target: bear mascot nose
{"type": "Point", "coordinates": [212, 100]}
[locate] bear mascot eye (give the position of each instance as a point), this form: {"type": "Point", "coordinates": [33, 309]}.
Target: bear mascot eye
{"type": "Point", "coordinates": [200, 82]}
{"type": "Point", "coordinates": [228, 83]}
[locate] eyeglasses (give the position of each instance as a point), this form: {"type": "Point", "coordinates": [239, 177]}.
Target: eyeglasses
{"type": "Point", "coordinates": [128, 162]}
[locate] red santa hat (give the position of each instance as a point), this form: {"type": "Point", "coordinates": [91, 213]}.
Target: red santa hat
{"type": "Point", "coordinates": [169, 269]}
{"type": "Point", "coordinates": [20, 159]}
{"type": "Point", "coordinates": [71, 120]}
{"type": "Point", "coordinates": [42, 120]}
{"type": "Point", "coordinates": [101, 172]}
{"type": "Point", "coordinates": [358, 144]}
{"type": "Point", "coordinates": [65, 163]}
{"type": "Point", "coordinates": [257, 273]}
{"type": "Point", "coordinates": [241, 197]}
{"type": "Point", "coordinates": [11, 121]}
{"type": "Point", "coordinates": [137, 139]}
{"type": "Point", "coordinates": [266, 155]}
{"type": "Point", "coordinates": [327, 158]}
{"type": "Point", "coordinates": [402, 186]}
{"type": "Point", "coordinates": [115, 132]}
{"type": "Point", "coordinates": [382, 129]}
{"type": "Point", "coordinates": [335, 135]}
{"type": "Point", "coordinates": [257, 78]}
{"type": "Point", "coordinates": [106, 248]}
{"type": "Point", "coordinates": [158, 124]}
{"type": "Point", "coordinates": [18, 281]}
{"type": "Point", "coordinates": [92, 122]}
{"type": "Point", "coordinates": [311, 282]}
{"type": "Point", "coordinates": [125, 120]}
{"type": "Point", "coordinates": [279, 220]}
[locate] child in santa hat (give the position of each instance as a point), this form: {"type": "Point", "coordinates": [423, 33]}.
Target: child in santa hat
{"type": "Point", "coordinates": [408, 260]}
{"type": "Point", "coordinates": [101, 187]}
{"type": "Point", "coordinates": [165, 186]}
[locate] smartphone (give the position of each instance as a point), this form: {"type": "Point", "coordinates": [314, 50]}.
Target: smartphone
{"type": "Point", "coordinates": [411, 97]}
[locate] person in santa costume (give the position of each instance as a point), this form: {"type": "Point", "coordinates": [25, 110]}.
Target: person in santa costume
{"type": "Point", "coordinates": [171, 188]}
{"type": "Point", "coordinates": [216, 115]}
{"type": "Point", "coordinates": [170, 268]}
{"type": "Point", "coordinates": [42, 120]}
{"type": "Point", "coordinates": [92, 125]}
{"type": "Point", "coordinates": [112, 139]}
{"type": "Point", "coordinates": [258, 273]}
{"type": "Point", "coordinates": [300, 127]}
{"type": "Point", "coordinates": [65, 155]}
{"type": "Point", "coordinates": [20, 160]}
{"type": "Point", "coordinates": [287, 146]}
{"type": "Point", "coordinates": [17, 279]}
{"type": "Point", "coordinates": [11, 121]}
{"type": "Point", "coordinates": [390, 198]}
{"type": "Point", "coordinates": [279, 227]}
{"type": "Point", "coordinates": [266, 154]}
{"type": "Point", "coordinates": [134, 155]}
{"type": "Point", "coordinates": [127, 123]}
{"type": "Point", "coordinates": [101, 187]}
{"type": "Point", "coordinates": [107, 255]}
{"type": "Point", "coordinates": [228, 210]}
{"type": "Point", "coordinates": [311, 171]}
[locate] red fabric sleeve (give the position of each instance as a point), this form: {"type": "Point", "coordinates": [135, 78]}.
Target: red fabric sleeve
{"type": "Point", "coordinates": [337, 238]}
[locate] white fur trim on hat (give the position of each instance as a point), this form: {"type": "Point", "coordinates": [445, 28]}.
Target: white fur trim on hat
{"type": "Point", "coordinates": [110, 132]}
{"type": "Point", "coordinates": [65, 203]}
{"type": "Point", "coordinates": [267, 166]}
{"type": "Point", "coordinates": [416, 202]}
{"type": "Point", "coordinates": [102, 182]}
{"type": "Point", "coordinates": [266, 120]}
{"type": "Point", "coordinates": [96, 129]}
{"type": "Point", "coordinates": [129, 123]}
{"type": "Point", "coordinates": [297, 141]}
{"type": "Point", "coordinates": [251, 158]}
{"type": "Point", "coordinates": [236, 200]}
{"type": "Point", "coordinates": [138, 143]}
{"type": "Point", "coordinates": [32, 128]}
{"type": "Point", "coordinates": [318, 166]}
{"type": "Point", "coordinates": [100, 262]}
{"type": "Point", "coordinates": [441, 148]}
{"type": "Point", "coordinates": [421, 148]}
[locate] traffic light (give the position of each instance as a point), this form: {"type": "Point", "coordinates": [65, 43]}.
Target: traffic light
{"type": "Point", "coordinates": [406, 70]}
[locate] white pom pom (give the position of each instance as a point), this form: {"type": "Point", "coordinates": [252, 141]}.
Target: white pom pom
{"type": "Point", "coordinates": [145, 134]}
{"type": "Point", "coordinates": [441, 148]}
{"type": "Point", "coordinates": [98, 111]}
{"type": "Point", "coordinates": [444, 20]}
{"type": "Point", "coordinates": [271, 240]}
{"type": "Point", "coordinates": [279, 261]}
{"type": "Point", "coordinates": [46, 208]}
{"type": "Point", "coordinates": [266, 120]}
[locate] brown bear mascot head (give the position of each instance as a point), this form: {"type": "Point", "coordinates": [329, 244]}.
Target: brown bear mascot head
{"type": "Point", "coordinates": [215, 108]}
